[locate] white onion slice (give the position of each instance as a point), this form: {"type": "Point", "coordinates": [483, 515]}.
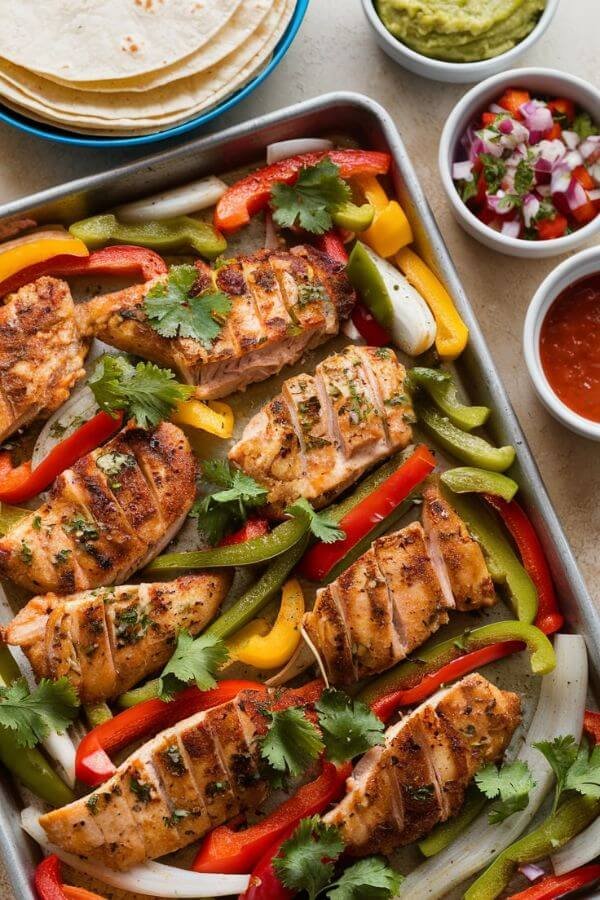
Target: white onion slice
{"type": "Point", "coordinates": [81, 406]}
{"type": "Point", "coordinates": [285, 149]}
{"type": "Point", "coordinates": [316, 655]}
{"type": "Point", "coordinates": [581, 850]}
{"type": "Point", "coordinates": [153, 879]}
{"type": "Point", "coordinates": [559, 711]}
{"type": "Point", "coordinates": [271, 239]}
{"type": "Point", "coordinates": [181, 201]}
{"type": "Point", "coordinates": [350, 330]}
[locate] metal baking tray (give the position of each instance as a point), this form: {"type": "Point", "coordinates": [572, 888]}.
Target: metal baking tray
{"type": "Point", "coordinates": [367, 122]}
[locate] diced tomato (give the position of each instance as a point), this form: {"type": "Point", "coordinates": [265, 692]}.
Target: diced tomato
{"type": "Point", "coordinates": [587, 212]}
{"type": "Point", "coordinates": [548, 229]}
{"type": "Point", "coordinates": [486, 215]}
{"type": "Point", "coordinates": [584, 178]}
{"type": "Point", "coordinates": [512, 100]}
{"type": "Point", "coordinates": [554, 133]}
{"type": "Point", "coordinates": [488, 118]}
{"type": "Point", "coordinates": [562, 107]}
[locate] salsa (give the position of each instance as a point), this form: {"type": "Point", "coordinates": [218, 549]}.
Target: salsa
{"type": "Point", "coordinates": [570, 347]}
{"type": "Point", "coordinates": [532, 167]}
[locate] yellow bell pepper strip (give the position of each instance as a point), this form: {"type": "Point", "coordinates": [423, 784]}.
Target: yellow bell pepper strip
{"type": "Point", "coordinates": [256, 628]}
{"type": "Point", "coordinates": [391, 229]}
{"type": "Point", "coordinates": [179, 234]}
{"type": "Point", "coordinates": [212, 416]}
{"type": "Point", "coordinates": [452, 333]}
{"type": "Point", "coordinates": [274, 649]}
{"type": "Point", "coordinates": [35, 248]}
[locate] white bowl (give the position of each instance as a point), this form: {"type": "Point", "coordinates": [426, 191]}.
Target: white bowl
{"type": "Point", "coordinates": [466, 111]}
{"type": "Point", "coordinates": [457, 73]}
{"type": "Point", "coordinates": [583, 264]}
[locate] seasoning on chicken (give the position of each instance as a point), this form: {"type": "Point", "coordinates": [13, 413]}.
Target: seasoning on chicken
{"type": "Point", "coordinates": [401, 789]}
{"type": "Point", "coordinates": [41, 353]}
{"type": "Point", "coordinates": [282, 302]}
{"type": "Point", "coordinates": [107, 640]}
{"type": "Point", "coordinates": [324, 431]}
{"type": "Point", "coordinates": [397, 594]}
{"type": "Point", "coordinates": [109, 515]}
{"type": "Point", "coordinates": [174, 789]}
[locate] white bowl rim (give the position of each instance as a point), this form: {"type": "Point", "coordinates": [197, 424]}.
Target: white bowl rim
{"type": "Point", "coordinates": [446, 148]}
{"type": "Point", "coordinates": [568, 272]}
{"type": "Point", "coordinates": [475, 68]}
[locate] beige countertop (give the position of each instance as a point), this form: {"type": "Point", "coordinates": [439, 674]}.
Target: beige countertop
{"type": "Point", "coordinates": [335, 50]}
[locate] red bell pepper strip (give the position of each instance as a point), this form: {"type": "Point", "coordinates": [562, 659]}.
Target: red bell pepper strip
{"type": "Point", "coordinates": [591, 725]}
{"type": "Point", "coordinates": [124, 260]}
{"type": "Point", "coordinates": [368, 327]}
{"type": "Point", "coordinates": [553, 886]}
{"type": "Point", "coordinates": [320, 558]}
{"type": "Point", "coordinates": [48, 883]}
{"type": "Point", "coordinates": [332, 245]}
{"type": "Point", "coordinates": [253, 528]}
{"type": "Point", "coordinates": [250, 195]}
{"type": "Point", "coordinates": [235, 852]}
{"type": "Point", "coordinates": [386, 706]}
{"type": "Point", "coordinates": [264, 883]}
{"type": "Point", "coordinates": [549, 618]}
{"type": "Point", "coordinates": [72, 892]}
{"type": "Point", "coordinates": [92, 762]}
{"type": "Point", "coordinates": [23, 483]}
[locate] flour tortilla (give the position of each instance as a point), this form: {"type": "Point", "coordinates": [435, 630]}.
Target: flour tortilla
{"type": "Point", "coordinates": [85, 40]}
{"type": "Point", "coordinates": [169, 104]}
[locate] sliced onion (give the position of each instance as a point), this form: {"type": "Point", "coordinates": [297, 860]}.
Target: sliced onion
{"type": "Point", "coordinates": [571, 139]}
{"type": "Point", "coordinates": [81, 405]}
{"type": "Point", "coordinates": [590, 146]}
{"type": "Point", "coordinates": [181, 201]}
{"type": "Point", "coordinates": [559, 711]}
{"type": "Point", "coordinates": [543, 170]}
{"type": "Point", "coordinates": [531, 207]}
{"type": "Point", "coordinates": [576, 195]}
{"type": "Point", "coordinates": [350, 330]}
{"type": "Point", "coordinates": [462, 171]}
{"type": "Point", "coordinates": [531, 871]}
{"type": "Point", "coordinates": [285, 149]}
{"type": "Point", "coordinates": [151, 878]}
{"type": "Point", "coordinates": [511, 229]}
{"type": "Point", "coordinates": [581, 850]}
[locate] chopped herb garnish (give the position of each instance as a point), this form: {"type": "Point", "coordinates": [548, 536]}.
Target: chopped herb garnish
{"type": "Point", "coordinates": [26, 553]}
{"type": "Point", "coordinates": [140, 789]}
{"type": "Point", "coordinates": [174, 311]}
{"type": "Point", "coordinates": [62, 556]}
{"type": "Point", "coordinates": [310, 201]}
{"type": "Point", "coordinates": [82, 529]}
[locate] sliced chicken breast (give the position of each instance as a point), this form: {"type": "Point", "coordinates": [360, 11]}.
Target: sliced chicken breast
{"type": "Point", "coordinates": [400, 790]}
{"type": "Point", "coordinates": [324, 431]}
{"type": "Point", "coordinates": [107, 516]}
{"type": "Point", "coordinates": [41, 353]}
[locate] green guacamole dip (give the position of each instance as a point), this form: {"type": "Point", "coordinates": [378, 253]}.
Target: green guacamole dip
{"type": "Point", "coordinates": [460, 30]}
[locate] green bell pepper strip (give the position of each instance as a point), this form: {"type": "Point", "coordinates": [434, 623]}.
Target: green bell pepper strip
{"type": "Point", "coordinates": [352, 217]}
{"type": "Point", "coordinates": [468, 448]}
{"type": "Point", "coordinates": [247, 553]}
{"type": "Point", "coordinates": [441, 387]}
{"type": "Point", "coordinates": [97, 714]}
{"type": "Point", "coordinates": [11, 516]}
{"type": "Point", "coordinates": [27, 763]}
{"type": "Point", "coordinates": [469, 480]}
{"type": "Point", "coordinates": [570, 818]}
{"type": "Point", "coordinates": [409, 673]}
{"type": "Point", "coordinates": [243, 611]}
{"type": "Point", "coordinates": [502, 562]}
{"type": "Point", "coordinates": [446, 832]}
{"type": "Point", "coordinates": [175, 235]}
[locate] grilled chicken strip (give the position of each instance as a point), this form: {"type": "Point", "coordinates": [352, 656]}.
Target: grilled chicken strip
{"type": "Point", "coordinates": [282, 302]}
{"type": "Point", "coordinates": [41, 353]}
{"type": "Point", "coordinates": [174, 789]}
{"type": "Point", "coordinates": [398, 593]}
{"type": "Point", "coordinates": [401, 789]}
{"type": "Point", "coordinates": [107, 640]}
{"type": "Point", "coordinates": [109, 515]}
{"type": "Point", "coordinates": [322, 432]}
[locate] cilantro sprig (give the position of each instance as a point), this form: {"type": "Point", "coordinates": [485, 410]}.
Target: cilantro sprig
{"type": "Point", "coordinates": [194, 661]}
{"type": "Point", "coordinates": [32, 715]}
{"type": "Point", "coordinates": [322, 525]}
{"type": "Point", "coordinates": [509, 785]}
{"type": "Point", "coordinates": [227, 509]}
{"type": "Point", "coordinates": [576, 766]}
{"type": "Point", "coordinates": [174, 311]}
{"type": "Point", "coordinates": [584, 126]}
{"type": "Point", "coordinates": [146, 391]}
{"type": "Point", "coordinates": [349, 727]}
{"type": "Point", "coordinates": [307, 862]}
{"type": "Point", "coordinates": [291, 744]}
{"type": "Point", "coordinates": [310, 201]}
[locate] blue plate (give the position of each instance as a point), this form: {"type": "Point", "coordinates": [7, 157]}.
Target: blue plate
{"type": "Point", "coordinates": [49, 133]}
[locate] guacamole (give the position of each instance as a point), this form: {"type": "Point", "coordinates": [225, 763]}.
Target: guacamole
{"type": "Point", "coordinates": [460, 30]}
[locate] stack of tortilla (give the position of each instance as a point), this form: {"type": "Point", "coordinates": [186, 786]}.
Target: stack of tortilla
{"type": "Point", "coordinates": [131, 67]}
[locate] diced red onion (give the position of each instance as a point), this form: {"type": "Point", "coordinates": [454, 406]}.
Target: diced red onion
{"type": "Point", "coordinates": [499, 203]}
{"type": "Point", "coordinates": [572, 159]}
{"type": "Point", "coordinates": [561, 178]}
{"type": "Point", "coordinates": [467, 139]}
{"type": "Point", "coordinates": [519, 153]}
{"type": "Point", "coordinates": [576, 195]}
{"type": "Point", "coordinates": [594, 195]}
{"type": "Point", "coordinates": [571, 139]}
{"type": "Point", "coordinates": [531, 871]}
{"type": "Point", "coordinates": [505, 126]}
{"type": "Point", "coordinates": [543, 190]}
{"type": "Point", "coordinates": [543, 170]}
{"type": "Point", "coordinates": [512, 228]}
{"type": "Point", "coordinates": [594, 171]}
{"type": "Point", "coordinates": [531, 207]}
{"type": "Point", "coordinates": [538, 118]}
{"type": "Point", "coordinates": [551, 150]}
{"type": "Point", "coordinates": [590, 148]}
{"type": "Point", "coordinates": [463, 171]}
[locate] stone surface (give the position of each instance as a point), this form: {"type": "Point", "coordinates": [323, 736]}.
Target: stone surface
{"type": "Point", "coordinates": [335, 50]}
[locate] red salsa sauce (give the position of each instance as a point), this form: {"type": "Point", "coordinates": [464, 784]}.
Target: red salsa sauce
{"type": "Point", "coordinates": [570, 347]}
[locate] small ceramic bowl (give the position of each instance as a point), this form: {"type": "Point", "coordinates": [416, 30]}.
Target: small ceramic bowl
{"type": "Point", "coordinates": [583, 264]}
{"type": "Point", "coordinates": [467, 110]}
{"type": "Point", "coordinates": [456, 73]}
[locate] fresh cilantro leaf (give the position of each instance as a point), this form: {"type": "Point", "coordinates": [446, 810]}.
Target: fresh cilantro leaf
{"type": "Point", "coordinates": [243, 489]}
{"type": "Point", "coordinates": [292, 743]}
{"type": "Point", "coordinates": [512, 783]}
{"type": "Point", "coordinates": [173, 311]}
{"type": "Point", "coordinates": [227, 509]}
{"type": "Point", "coordinates": [584, 126]}
{"type": "Point", "coordinates": [52, 706]}
{"type": "Point", "coordinates": [368, 879]}
{"type": "Point", "coordinates": [561, 753]}
{"type": "Point", "coordinates": [213, 521]}
{"type": "Point", "coordinates": [547, 210]}
{"type": "Point", "coordinates": [306, 860]}
{"type": "Point", "coordinates": [310, 201]}
{"type": "Point", "coordinates": [322, 525]}
{"type": "Point", "coordinates": [194, 660]}
{"type": "Point", "coordinates": [349, 727]}
{"type": "Point", "coordinates": [148, 392]}
{"type": "Point", "coordinates": [584, 774]}
{"type": "Point", "coordinates": [494, 170]}
{"type": "Point", "coordinates": [524, 177]}
{"type": "Point", "coordinates": [467, 189]}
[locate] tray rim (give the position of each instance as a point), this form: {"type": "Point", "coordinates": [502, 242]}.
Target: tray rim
{"type": "Point", "coordinates": [17, 850]}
